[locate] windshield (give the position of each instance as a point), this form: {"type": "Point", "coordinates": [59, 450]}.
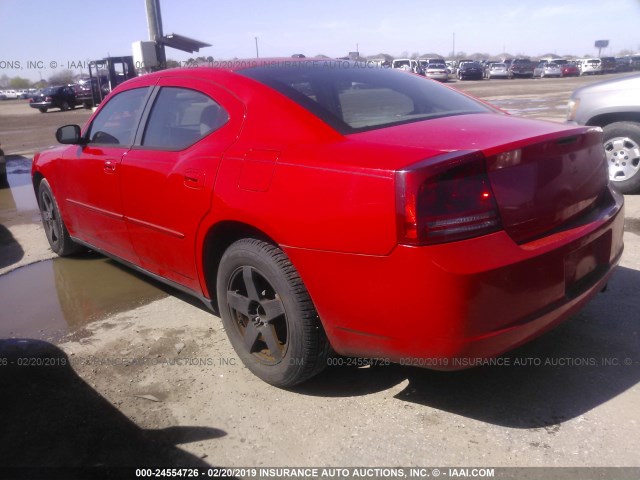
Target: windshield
{"type": "Point", "coordinates": [401, 63]}
{"type": "Point", "coordinates": [353, 97]}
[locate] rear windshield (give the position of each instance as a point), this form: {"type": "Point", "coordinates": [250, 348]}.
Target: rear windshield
{"type": "Point", "coordinates": [355, 97]}
{"type": "Point", "coordinates": [51, 90]}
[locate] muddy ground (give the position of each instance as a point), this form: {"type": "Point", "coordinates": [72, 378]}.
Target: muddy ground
{"type": "Point", "coordinates": [139, 374]}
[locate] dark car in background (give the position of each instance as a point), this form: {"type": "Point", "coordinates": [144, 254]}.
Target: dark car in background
{"type": "Point", "coordinates": [613, 105]}
{"type": "Point", "coordinates": [470, 71]}
{"type": "Point", "coordinates": [608, 64]}
{"type": "Point", "coordinates": [62, 97]}
{"type": "Point", "coordinates": [522, 68]}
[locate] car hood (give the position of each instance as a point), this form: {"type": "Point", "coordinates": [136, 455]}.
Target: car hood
{"type": "Point", "coordinates": [626, 83]}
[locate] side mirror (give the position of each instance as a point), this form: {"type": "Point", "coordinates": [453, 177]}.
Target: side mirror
{"type": "Point", "coordinates": [69, 135]}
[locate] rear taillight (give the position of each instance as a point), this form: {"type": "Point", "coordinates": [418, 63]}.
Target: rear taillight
{"type": "Point", "coordinates": [445, 199]}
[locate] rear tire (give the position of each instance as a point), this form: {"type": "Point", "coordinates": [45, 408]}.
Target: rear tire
{"type": "Point", "coordinates": [55, 229]}
{"type": "Point", "coordinates": [622, 147]}
{"type": "Point", "coordinates": [43, 110]}
{"type": "Point", "coordinates": [268, 314]}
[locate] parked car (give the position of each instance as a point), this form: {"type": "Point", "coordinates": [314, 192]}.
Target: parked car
{"type": "Point", "coordinates": [470, 71]}
{"type": "Point", "coordinates": [452, 66]}
{"type": "Point", "coordinates": [570, 70]}
{"type": "Point", "coordinates": [547, 69]}
{"type": "Point", "coordinates": [623, 64]}
{"type": "Point", "coordinates": [497, 70]}
{"type": "Point", "coordinates": [521, 68]}
{"type": "Point", "coordinates": [589, 66]}
{"type": "Point", "coordinates": [10, 94]}
{"type": "Point", "coordinates": [291, 202]}
{"type": "Point", "coordinates": [62, 97]}
{"type": "Point", "coordinates": [407, 64]}
{"type": "Point", "coordinates": [613, 105]}
{"type": "Point", "coordinates": [2, 95]}
{"type": "Point", "coordinates": [608, 64]}
{"type": "Point", "coordinates": [436, 71]}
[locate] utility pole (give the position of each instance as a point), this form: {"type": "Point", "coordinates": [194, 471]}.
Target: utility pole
{"type": "Point", "coordinates": [257, 55]}
{"type": "Point", "coordinates": [154, 24]}
{"type": "Point", "coordinates": [454, 46]}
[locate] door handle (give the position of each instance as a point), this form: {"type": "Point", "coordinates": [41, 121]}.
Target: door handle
{"type": "Point", "coordinates": [110, 166]}
{"type": "Point", "coordinates": [194, 178]}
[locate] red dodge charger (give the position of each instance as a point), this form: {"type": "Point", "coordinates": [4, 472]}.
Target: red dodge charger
{"type": "Point", "coordinates": [325, 206]}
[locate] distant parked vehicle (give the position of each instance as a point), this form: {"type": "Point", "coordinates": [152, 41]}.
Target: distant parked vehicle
{"type": "Point", "coordinates": [570, 70]}
{"type": "Point", "coordinates": [613, 105]}
{"type": "Point", "coordinates": [10, 94]}
{"type": "Point", "coordinates": [589, 66]}
{"type": "Point", "coordinates": [497, 70]}
{"type": "Point", "coordinates": [522, 68]}
{"type": "Point", "coordinates": [547, 69]}
{"type": "Point", "coordinates": [623, 64]}
{"type": "Point", "coordinates": [62, 97]}
{"type": "Point", "coordinates": [470, 71]}
{"type": "Point", "coordinates": [452, 66]}
{"type": "Point", "coordinates": [608, 64]}
{"type": "Point", "coordinates": [436, 71]}
{"type": "Point", "coordinates": [407, 64]}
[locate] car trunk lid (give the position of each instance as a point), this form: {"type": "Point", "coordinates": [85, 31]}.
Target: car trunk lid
{"type": "Point", "coordinates": [542, 174]}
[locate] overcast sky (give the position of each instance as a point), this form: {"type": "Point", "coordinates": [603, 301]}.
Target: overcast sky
{"type": "Point", "coordinates": [63, 31]}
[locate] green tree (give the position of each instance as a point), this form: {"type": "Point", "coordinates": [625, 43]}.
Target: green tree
{"type": "Point", "coordinates": [61, 78]}
{"type": "Point", "coordinates": [18, 83]}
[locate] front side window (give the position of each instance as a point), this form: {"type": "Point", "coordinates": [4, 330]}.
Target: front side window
{"type": "Point", "coordinates": [355, 97]}
{"type": "Point", "coordinates": [117, 121]}
{"type": "Point", "coordinates": [180, 117]}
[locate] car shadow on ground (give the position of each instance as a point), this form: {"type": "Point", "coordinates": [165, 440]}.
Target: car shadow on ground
{"type": "Point", "coordinates": [10, 250]}
{"type": "Point", "coordinates": [583, 363]}
{"type": "Point", "coordinates": [51, 418]}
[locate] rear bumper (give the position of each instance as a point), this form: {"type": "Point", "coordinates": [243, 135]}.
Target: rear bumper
{"type": "Point", "coordinates": [42, 105]}
{"type": "Point", "coordinates": [441, 305]}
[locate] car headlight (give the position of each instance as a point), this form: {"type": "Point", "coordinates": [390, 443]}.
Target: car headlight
{"type": "Point", "coordinates": [572, 108]}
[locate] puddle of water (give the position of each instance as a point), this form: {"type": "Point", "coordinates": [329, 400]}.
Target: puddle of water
{"type": "Point", "coordinates": [50, 299]}
{"type": "Point", "coordinates": [16, 191]}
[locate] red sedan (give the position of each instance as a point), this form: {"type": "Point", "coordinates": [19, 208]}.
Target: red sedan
{"type": "Point", "coordinates": [325, 206]}
{"type": "Point", "coordinates": [570, 70]}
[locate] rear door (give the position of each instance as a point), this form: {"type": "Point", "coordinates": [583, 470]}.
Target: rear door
{"type": "Point", "coordinates": [167, 178]}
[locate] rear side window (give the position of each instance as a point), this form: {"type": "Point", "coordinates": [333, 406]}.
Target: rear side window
{"type": "Point", "coordinates": [180, 117]}
{"type": "Point", "coordinates": [117, 121]}
{"type": "Point", "coordinates": [355, 97]}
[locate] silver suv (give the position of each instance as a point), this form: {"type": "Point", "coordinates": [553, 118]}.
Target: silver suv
{"type": "Point", "coordinates": [613, 105]}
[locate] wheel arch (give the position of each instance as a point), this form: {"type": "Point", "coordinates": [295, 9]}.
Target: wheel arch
{"type": "Point", "coordinates": [605, 119]}
{"type": "Point", "coordinates": [216, 241]}
{"type": "Point", "coordinates": [36, 180]}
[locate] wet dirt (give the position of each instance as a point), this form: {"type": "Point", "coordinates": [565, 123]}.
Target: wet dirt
{"type": "Point", "coordinates": [50, 299]}
{"type": "Point", "coordinates": [16, 191]}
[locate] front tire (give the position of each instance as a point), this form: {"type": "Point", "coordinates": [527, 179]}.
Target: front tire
{"type": "Point", "coordinates": [622, 147]}
{"type": "Point", "coordinates": [268, 314]}
{"type": "Point", "coordinates": [57, 234]}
